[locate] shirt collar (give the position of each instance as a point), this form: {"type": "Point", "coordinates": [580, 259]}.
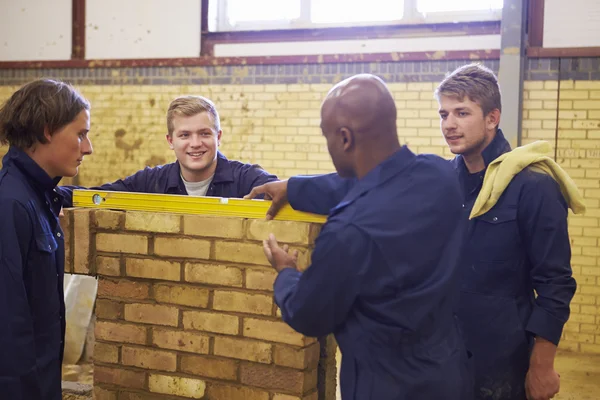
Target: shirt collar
{"type": "Point", "coordinates": [223, 173]}
{"type": "Point", "coordinates": [24, 163]}
{"type": "Point", "coordinates": [389, 168]}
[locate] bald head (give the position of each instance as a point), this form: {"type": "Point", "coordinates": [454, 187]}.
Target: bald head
{"type": "Point", "coordinates": [364, 104]}
{"type": "Point", "coordinates": [358, 119]}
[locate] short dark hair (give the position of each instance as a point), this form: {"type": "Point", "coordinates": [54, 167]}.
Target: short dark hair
{"type": "Point", "coordinates": [476, 82]}
{"type": "Point", "coordinates": [38, 105]}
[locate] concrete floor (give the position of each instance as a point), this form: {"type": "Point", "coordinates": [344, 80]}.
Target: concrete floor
{"type": "Point", "coordinates": [579, 376]}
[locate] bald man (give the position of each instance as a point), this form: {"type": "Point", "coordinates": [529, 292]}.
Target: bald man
{"type": "Point", "coordinates": [383, 267]}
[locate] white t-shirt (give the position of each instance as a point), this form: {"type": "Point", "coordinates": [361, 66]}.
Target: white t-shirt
{"type": "Point", "coordinates": [197, 188]}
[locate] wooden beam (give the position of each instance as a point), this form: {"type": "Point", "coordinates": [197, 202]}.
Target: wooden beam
{"type": "Point", "coordinates": [78, 32]}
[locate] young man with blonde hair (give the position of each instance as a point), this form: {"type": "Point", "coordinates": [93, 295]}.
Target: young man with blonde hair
{"type": "Point", "coordinates": [194, 134]}
{"type": "Point", "coordinates": [46, 125]}
{"type": "Point", "coordinates": [515, 274]}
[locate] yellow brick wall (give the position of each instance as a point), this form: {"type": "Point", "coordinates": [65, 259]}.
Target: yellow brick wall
{"type": "Point", "coordinates": [578, 151]}
{"type": "Point", "coordinates": [277, 127]}
{"type": "Point", "coordinates": [199, 323]}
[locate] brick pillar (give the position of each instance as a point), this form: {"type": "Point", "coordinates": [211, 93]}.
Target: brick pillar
{"type": "Point", "coordinates": [185, 308]}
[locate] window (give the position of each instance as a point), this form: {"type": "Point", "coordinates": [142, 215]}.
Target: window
{"type": "Point", "coordinates": [240, 15]}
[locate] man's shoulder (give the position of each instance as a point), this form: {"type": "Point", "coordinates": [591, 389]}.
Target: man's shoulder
{"type": "Point", "coordinates": [157, 170]}
{"type": "Point", "coordinates": [13, 188]}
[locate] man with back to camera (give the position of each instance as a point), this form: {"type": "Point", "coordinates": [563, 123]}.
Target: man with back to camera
{"type": "Point", "coordinates": [194, 134]}
{"type": "Point", "coordinates": [382, 277]}
{"type": "Point", "coordinates": [515, 271]}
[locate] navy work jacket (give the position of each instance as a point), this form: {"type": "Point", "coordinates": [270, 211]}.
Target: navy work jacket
{"type": "Point", "coordinates": [382, 280]}
{"type": "Point", "coordinates": [32, 309]}
{"type": "Point", "coordinates": [519, 246]}
{"type": "Point", "coordinates": [232, 179]}
{"type": "Point", "coordinates": [517, 249]}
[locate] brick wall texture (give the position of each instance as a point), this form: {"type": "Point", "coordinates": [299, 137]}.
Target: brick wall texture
{"type": "Point", "coordinates": [270, 116]}
{"type": "Point", "coordinates": [188, 315]}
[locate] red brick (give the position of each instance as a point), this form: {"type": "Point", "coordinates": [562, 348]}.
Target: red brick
{"type": "Point", "coordinates": [210, 367]}
{"type": "Point", "coordinates": [107, 353]}
{"type": "Point", "coordinates": [179, 340]}
{"type": "Point", "coordinates": [278, 378]}
{"type": "Point", "coordinates": [123, 289]}
{"type": "Point", "coordinates": [119, 377]}
{"type": "Point", "coordinates": [297, 358]}
{"type": "Point", "coordinates": [119, 332]}
{"type": "Point", "coordinates": [108, 309]}
{"type": "Point", "coordinates": [152, 314]}
{"type": "Point", "coordinates": [149, 359]}
{"type": "Point", "coordinates": [224, 392]}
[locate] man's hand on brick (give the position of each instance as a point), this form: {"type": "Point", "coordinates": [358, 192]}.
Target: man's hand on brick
{"type": "Point", "coordinates": [279, 257]}
{"type": "Point", "coordinates": [274, 191]}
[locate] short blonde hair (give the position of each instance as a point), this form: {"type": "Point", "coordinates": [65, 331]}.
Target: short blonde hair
{"type": "Point", "coordinates": [189, 106]}
{"type": "Point", "coordinates": [478, 83]}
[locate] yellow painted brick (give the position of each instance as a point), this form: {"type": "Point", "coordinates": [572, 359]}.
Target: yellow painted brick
{"type": "Point", "coordinates": [587, 124]}
{"type": "Point", "coordinates": [207, 226]}
{"type": "Point", "coordinates": [536, 85]}
{"type": "Point", "coordinates": [590, 310]}
{"type": "Point", "coordinates": [583, 319]}
{"type": "Point", "coordinates": [105, 352]}
{"type": "Point", "coordinates": [110, 266]}
{"type": "Point", "coordinates": [532, 104]}
{"type": "Point", "coordinates": [591, 271]}
{"type": "Point", "coordinates": [211, 322]}
{"type": "Point", "coordinates": [579, 337]}
{"type": "Point", "coordinates": [210, 367]}
{"type": "Point", "coordinates": [242, 302]}
{"type": "Point", "coordinates": [179, 340]}
{"type": "Point", "coordinates": [177, 386]}
{"type": "Point", "coordinates": [122, 243]}
{"type": "Point", "coordinates": [108, 219]}
{"type": "Point", "coordinates": [574, 94]}
{"type": "Point", "coordinates": [590, 348]}
{"type": "Point", "coordinates": [571, 134]}
{"type": "Point", "coordinates": [243, 349]}
{"type": "Point", "coordinates": [274, 331]}
{"type": "Point", "coordinates": [536, 114]}
{"type": "Point", "coordinates": [152, 314]}
{"type": "Point", "coordinates": [591, 329]}
{"type": "Point", "coordinates": [583, 241]}
{"type": "Point", "coordinates": [152, 222]}
{"type": "Point", "coordinates": [247, 253]}
{"type": "Point", "coordinates": [153, 269]}
{"type": "Point", "coordinates": [120, 332]}
{"type": "Point", "coordinates": [182, 247]}
{"type": "Point", "coordinates": [594, 85]}
{"type": "Point", "coordinates": [572, 327]}
{"type": "Point", "coordinates": [584, 299]}
{"type": "Point", "coordinates": [591, 290]}
{"type": "Point", "coordinates": [542, 94]}
{"type": "Point", "coordinates": [280, 396]}
{"type": "Point", "coordinates": [213, 274]}
{"type": "Point", "coordinates": [562, 115]}
{"type": "Point", "coordinates": [182, 295]}
{"type": "Point", "coordinates": [568, 345]}
{"type": "Point", "coordinates": [149, 359]}
{"type": "Point", "coordinates": [591, 251]}
{"type": "Point", "coordinates": [541, 133]}
{"type": "Point", "coordinates": [586, 105]}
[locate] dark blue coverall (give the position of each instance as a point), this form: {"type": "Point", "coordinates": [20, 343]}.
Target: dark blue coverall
{"type": "Point", "coordinates": [32, 309]}
{"type": "Point", "coordinates": [383, 281]}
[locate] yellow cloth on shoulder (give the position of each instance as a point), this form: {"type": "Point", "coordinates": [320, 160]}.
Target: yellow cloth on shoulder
{"type": "Point", "coordinates": [501, 171]}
